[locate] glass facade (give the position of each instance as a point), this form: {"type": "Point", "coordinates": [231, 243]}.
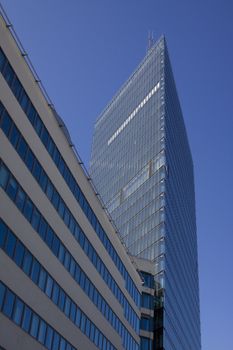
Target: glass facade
{"type": "Point", "coordinates": [142, 166]}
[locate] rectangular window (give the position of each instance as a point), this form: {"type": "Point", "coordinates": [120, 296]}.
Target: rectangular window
{"type": "Point", "coordinates": [27, 262]}
{"type": "Point", "coordinates": [3, 232]}
{"type": "Point", "coordinates": [20, 199]}
{"type": "Point", "coordinates": [27, 210]}
{"type": "Point", "coordinates": [19, 253]}
{"type": "Point", "coordinates": [8, 304]}
{"type": "Point", "coordinates": [4, 174]}
{"type": "Point", "coordinates": [10, 244]}
{"type": "Point", "coordinates": [12, 188]}
{"type": "Point", "coordinates": [26, 319]}
{"type": "Point", "coordinates": [42, 332]}
{"type": "Point", "coordinates": [18, 311]}
{"type": "Point", "coordinates": [14, 136]}
{"type": "Point", "coordinates": [42, 279]}
{"type": "Point", "coordinates": [2, 293]}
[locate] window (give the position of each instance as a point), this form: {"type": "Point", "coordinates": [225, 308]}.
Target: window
{"type": "Point", "coordinates": [2, 292]}
{"type": "Point", "coordinates": [6, 123]}
{"type": "Point", "coordinates": [20, 199]}
{"type": "Point", "coordinates": [8, 304]}
{"type": "Point", "coordinates": [27, 210]}
{"type": "Point", "coordinates": [35, 218]}
{"type": "Point", "coordinates": [26, 319]}
{"type": "Point", "coordinates": [22, 147]}
{"type": "Point", "coordinates": [35, 271]}
{"type": "Point", "coordinates": [3, 232]}
{"type": "Point", "coordinates": [42, 279]}
{"type": "Point", "coordinates": [30, 158]}
{"type": "Point", "coordinates": [14, 136]}
{"type": "Point", "coordinates": [4, 174]}
{"type": "Point", "coordinates": [145, 323]}
{"type": "Point", "coordinates": [49, 287]}
{"type": "Point", "coordinates": [49, 338]}
{"type": "Point", "coordinates": [9, 73]}
{"type": "Point", "coordinates": [10, 244]}
{"type": "Point", "coordinates": [17, 88]}
{"type": "Point", "coordinates": [2, 60]}
{"type": "Point", "coordinates": [55, 294]}
{"type": "Point", "coordinates": [18, 311]}
{"type": "Point", "coordinates": [12, 188]}
{"type": "Point", "coordinates": [42, 332]}
{"type": "Point", "coordinates": [27, 262]}
{"type": "Point", "coordinates": [19, 253]}
{"type": "Point", "coordinates": [147, 301]}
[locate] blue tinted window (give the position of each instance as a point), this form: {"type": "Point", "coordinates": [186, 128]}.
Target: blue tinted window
{"type": "Point", "coordinates": [88, 327]}
{"type": "Point", "coordinates": [17, 88]}
{"type": "Point", "coordinates": [27, 262]}
{"type": "Point", "coordinates": [43, 180]}
{"type": "Point", "coordinates": [55, 245]}
{"type": "Point", "coordinates": [30, 158]}
{"type": "Point", "coordinates": [19, 253]}
{"type": "Point", "coordinates": [20, 199]}
{"type": "Point", "coordinates": [72, 267]}
{"type": "Point", "coordinates": [2, 293]}
{"type": "Point", "coordinates": [83, 323]}
{"type": "Point", "coordinates": [145, 324]}
{"type": "Point", "coordinates": [12, 188]}
{"type": "Point", "coordinates": [49, 190]}
{"type": "Point", "coordinates": [61, 208]}
{"type": "Point", "coordinates": [38, 125]}
{"type": "Point", "coordinates": [6, 123]}
{"type": "Point", "coordinates": [42, 279]}
{"type": "Point", "coordinates": [22, 147]}
{"type": "Point", "coordinates": [67, 306]}
{"type": "Point", "coordinates": [26, 319]}
{"type": "Point", "coordinates": [43, 228]}
{"type": "Point", "coordinates": [34, 326]}
{"type": "Point", "coordinates": [147, 301]}
{"type": "Point", "coordinates": [24, 101]}
{"type": "Point", "coordinates": [36, 170]}
{"type": "Point", "coordinates": [18, 311]}
{"type": "Point", "coordinates": [27, 210]}
{"type": "Point", "coordinates": [55, 294]}
{"type": "Point", "coordinates": [31, 113]}
{"type": "Point", "coordinates": [78, 318]}
{"type": "Point", "coordinates": [3, 231]}
{"type": "Point", "coordinates": [10, 243]}
{"type": "Point", "coordinates": [96, 340]}
{"type": "Point", "coordinates": [35, 218]}
{"type": "Point", "coordinates": [55, 198]}
{"type": "Point", "coordinates": [2, 60]}
{"type": "Point", "coordinates": [61, 301]}
{"type": "Point", "coordinates": [92, 332]}
{"type": "Point", "coordinates": [49, 286]}
{"type": "Point", "coordinates": [42, 332]}
{"type": "Point", "coordinates": [9, 74]}
{"type": "Point", "coordinates": [62, 344]}
{"type": "Point", "coordinates": [35, 271]}
{"type": "Point", "coordinates": [67, 260]}
{"type": "Point", "coordinates": [146, 344]}
{"type": "Point", "coordinates": [56, 341]}
{"type": "Point", "coordinates": [61, 253]}
{"type": "Point", "coordinates": [73, 312]}
{"type": "Point", "coordinates": [49, 237]}
{"type": "Point", "coordinates": [49, 338]}
{"type": "Point", "coordinates": [45, 137]}
{"type": "Point", "coordinates": [14, 136]}
{"type": "Point", "coordinates": [8, 303]}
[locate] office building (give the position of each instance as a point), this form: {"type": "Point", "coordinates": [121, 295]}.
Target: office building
{"type": "Point", "coordinates": [142, 166]}
{"type": "Point", "coordinates": [66, 281]}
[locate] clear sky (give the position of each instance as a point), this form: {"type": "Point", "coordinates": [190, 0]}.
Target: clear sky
{"type": "Point", "coordinates": [84, 50]}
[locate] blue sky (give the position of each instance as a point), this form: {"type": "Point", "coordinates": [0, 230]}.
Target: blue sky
{"type": "Point", "coordinates": [84, 50]}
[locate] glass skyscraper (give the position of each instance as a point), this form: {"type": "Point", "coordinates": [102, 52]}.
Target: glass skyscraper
{"type": "Point", "coordinates": [142, 166]}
